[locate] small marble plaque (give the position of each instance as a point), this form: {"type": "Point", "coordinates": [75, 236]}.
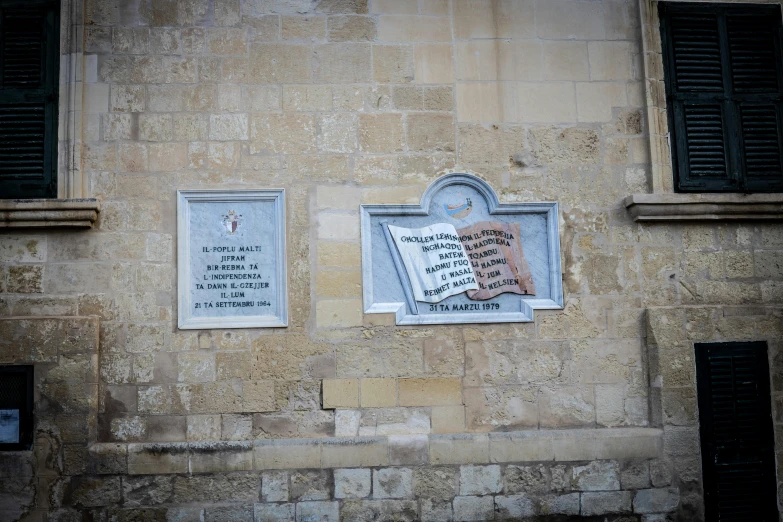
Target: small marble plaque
{"type": "Point", "coordinates": [461, 256]}
{"type": "Point", "coordinates": [231, 259]}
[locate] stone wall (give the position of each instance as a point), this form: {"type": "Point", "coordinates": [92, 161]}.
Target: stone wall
{"type": "Point", "coordinates": [344, 102]}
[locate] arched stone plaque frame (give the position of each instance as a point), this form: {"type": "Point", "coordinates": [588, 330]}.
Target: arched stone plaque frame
{"type": "Point", "coordinates": [386, 290]}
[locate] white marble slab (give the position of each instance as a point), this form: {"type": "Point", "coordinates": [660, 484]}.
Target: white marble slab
{"type": "Point", "coordinates": [386, 283]}
{"type": "Point", "coordinates": [231, 259]}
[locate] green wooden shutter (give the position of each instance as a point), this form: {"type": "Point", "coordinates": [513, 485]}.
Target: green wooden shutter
{"type": "Point", "coordinates": [29, 79]}
{"type": "Point", "coordinates": [723, 86]}
{"type": "Point", "coordinates": [736, 432]}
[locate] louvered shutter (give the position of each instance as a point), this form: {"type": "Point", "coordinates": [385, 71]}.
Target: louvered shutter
{"type": "Point", "coordinates": [28, 99]}
{"type": "Point", "coordinates": [736, 432]}
{"type": "Point", "coordinates": [723, 85]}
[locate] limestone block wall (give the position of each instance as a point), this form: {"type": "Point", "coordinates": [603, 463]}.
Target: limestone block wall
{"type": "Point", "coordinates": [344, 102]}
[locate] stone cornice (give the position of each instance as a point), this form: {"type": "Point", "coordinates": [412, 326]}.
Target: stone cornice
{"type": "Point", "coordinates": [705, 207]}
{"type": "Point", "coordinates": [346, 452]}
{"type": "Point", "coordinates": [48, 213]}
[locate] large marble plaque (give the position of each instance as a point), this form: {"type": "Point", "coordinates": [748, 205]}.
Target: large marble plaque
{"type": "Point", "coordinates": [231, 259]}
{"type": "Point", "coordinates": [461, 256]}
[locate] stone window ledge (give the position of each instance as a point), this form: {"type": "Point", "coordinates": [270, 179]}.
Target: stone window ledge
{"type": "Point", "coordinates": [342, 452]}
{"type": "Point", "coordinates": [705, 207]}
{"type": "Point", "coordinates": [48, 213]}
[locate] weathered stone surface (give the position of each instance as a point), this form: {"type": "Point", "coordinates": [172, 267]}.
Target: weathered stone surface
{"type": "Point", "coordinates": [360, 510]}
{"type": "Point", "coordinates": [352, 483]}
{"type": "Point", "coordinates": [604, 503]}
{"type": "Point", "coordinates": [274, 486]}
{"type": "Point", "coordinates": [229, 514]}
{"type": "Point", "coordinates": [217, 487]}
{"type": "Point", "coordinates": [522, 479]}
{"type": "Point", "coordinates": [94, 492]}
{"type": "Point", "coordinates": [317, 512]}
{"type": "Point", "coordinates": [392, 483]}
{"type": "Point", "coordinates": [311, 485]}
{"type": "Point", "coordinates": [473, 508]}
{"type": "Point", "coordinates": [656, 500]}
{"type": "Point", "coordinates": [146, 491]}
{"type": "Point", "coordinates": [274, 512]}
{"type": "Point", "coordinates": [436, 483]}
{"type": "Point", "coordinates": [514, 507]}
{"type": "Point", "coordinates": [596, 476]}
{"type": "Point", "coordinates": [479, 480]}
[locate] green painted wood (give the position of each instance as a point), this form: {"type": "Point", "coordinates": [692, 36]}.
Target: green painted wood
{"type": "Point", "coordinates": [724, 89]}
{"type": "Point", "coordinates": [29, 80]}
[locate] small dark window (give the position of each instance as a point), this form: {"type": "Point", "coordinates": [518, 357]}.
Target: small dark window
{"type": "Point", "coordinates": [29, 77]}
{"type": "Point", "coordinates": [724, 91]}
{"type": "Point", "coordinates": [16, 407]}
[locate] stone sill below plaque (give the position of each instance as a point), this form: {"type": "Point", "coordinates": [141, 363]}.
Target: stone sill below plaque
{"type": "Point", "coordinates": [392, 450]}
{"type": "Point", "coordinates": [705, 207]}
{"type": "Point", "coordinates": [48, 213]}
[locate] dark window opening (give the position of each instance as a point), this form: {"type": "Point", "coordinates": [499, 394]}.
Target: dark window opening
{"type": "Point", "coordinates": [724, 92]}
{"type": "Point", "coordinates": [737, 434]}
{"type": "Point", "coordinates": [16, 407]}
{"type": "Point", "coordinates": [29, 79]}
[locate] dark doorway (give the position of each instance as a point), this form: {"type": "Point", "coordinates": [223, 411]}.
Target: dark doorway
{"type": "Point", "coordinates": [737, 437]}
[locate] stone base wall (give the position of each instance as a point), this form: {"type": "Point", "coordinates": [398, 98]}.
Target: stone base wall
{"type": "Point", "coordinates": [637, 490]}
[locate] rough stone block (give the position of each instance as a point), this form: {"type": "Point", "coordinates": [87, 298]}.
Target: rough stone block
{"type": "Point", "coordinates": [381, 133]}
{"type": "Point", "coordinates": [559, 504]}
{"type": "Point", "coordinates": [521, 446]}
{"type": "Point", "coordinates": [108, 459]}
{"type": "Point", "coordinates": [362, 451]}
{"type": "Point", "coordinates": [656, 500]}
{"type": "Point", "coordinates": [216, 487]}
{"type": "Point", "coordinates": [346, 423]}
{"type": "Point", "coordinates": [378, 393]}
{"type": "Point", "coordinates": [429, 132]}
{"type": "Point", "coordinates": [317, 512]}
{"type": "Point", "coordinates": [213, 457]}
{"type": "Point", "coordinates": [286, 454]}
{"type": "Point", "coordinates": [274, 512]}
{"type": "Point", "coordinates": [479, 480]}
{"type": "Point", "coordinates": [342, 63]}
{"type": "Point", "coordinates": [274, 486]}
{"type": "Point", "coordinates": [352, 483]}
{"type": "Point", "coordinates": [392, 483]}
{"type": "Point", "coordinates": [635, 475]}
{"type": "Point", "coordinates": [361, 510]}
{"type": "Point", "coordinates": [430, 392]}
{"type": "Point", "coordinates": [408, 449]}
{"type": "Point", "coordinates": [340, 393]}
{"type": "Point", "coordinates": [392, 63]}
{"type": "Point", "coordinates": [344, 28]}
{"type": "Point", "coordinates": [596, 476]}
{"type": "Point", "coordinates": [413, 28]}
{"type": "Point", "coordinates": [229, 514]}
{"type": "Point", "coordinates": [435, 483]}
{"type": "Point", "coordinates": [468, 509]}
{"type": "Point", "coordinates": [459, 449]}
{"type": "Point", "coordinates": [514, 507]}
{"type": "Point", "coordinates": [432, 511]}
{"type": "Point", "coordinates": [150, 459]}
{"type": "Point", "coordinates": [311, 485]}
{"type": "Point", "coordinates": [536, 478]}
{"type": "Point", "coordinates": [605, 503]}
{"type": "Point", "coordinates": [146, 490]}
{"type": "Point", "coordinates": [203, 427]}
{"type": "Point", "coordinates": [93, 492]}
{"type": "Point", "coordinates": [448, 419]}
